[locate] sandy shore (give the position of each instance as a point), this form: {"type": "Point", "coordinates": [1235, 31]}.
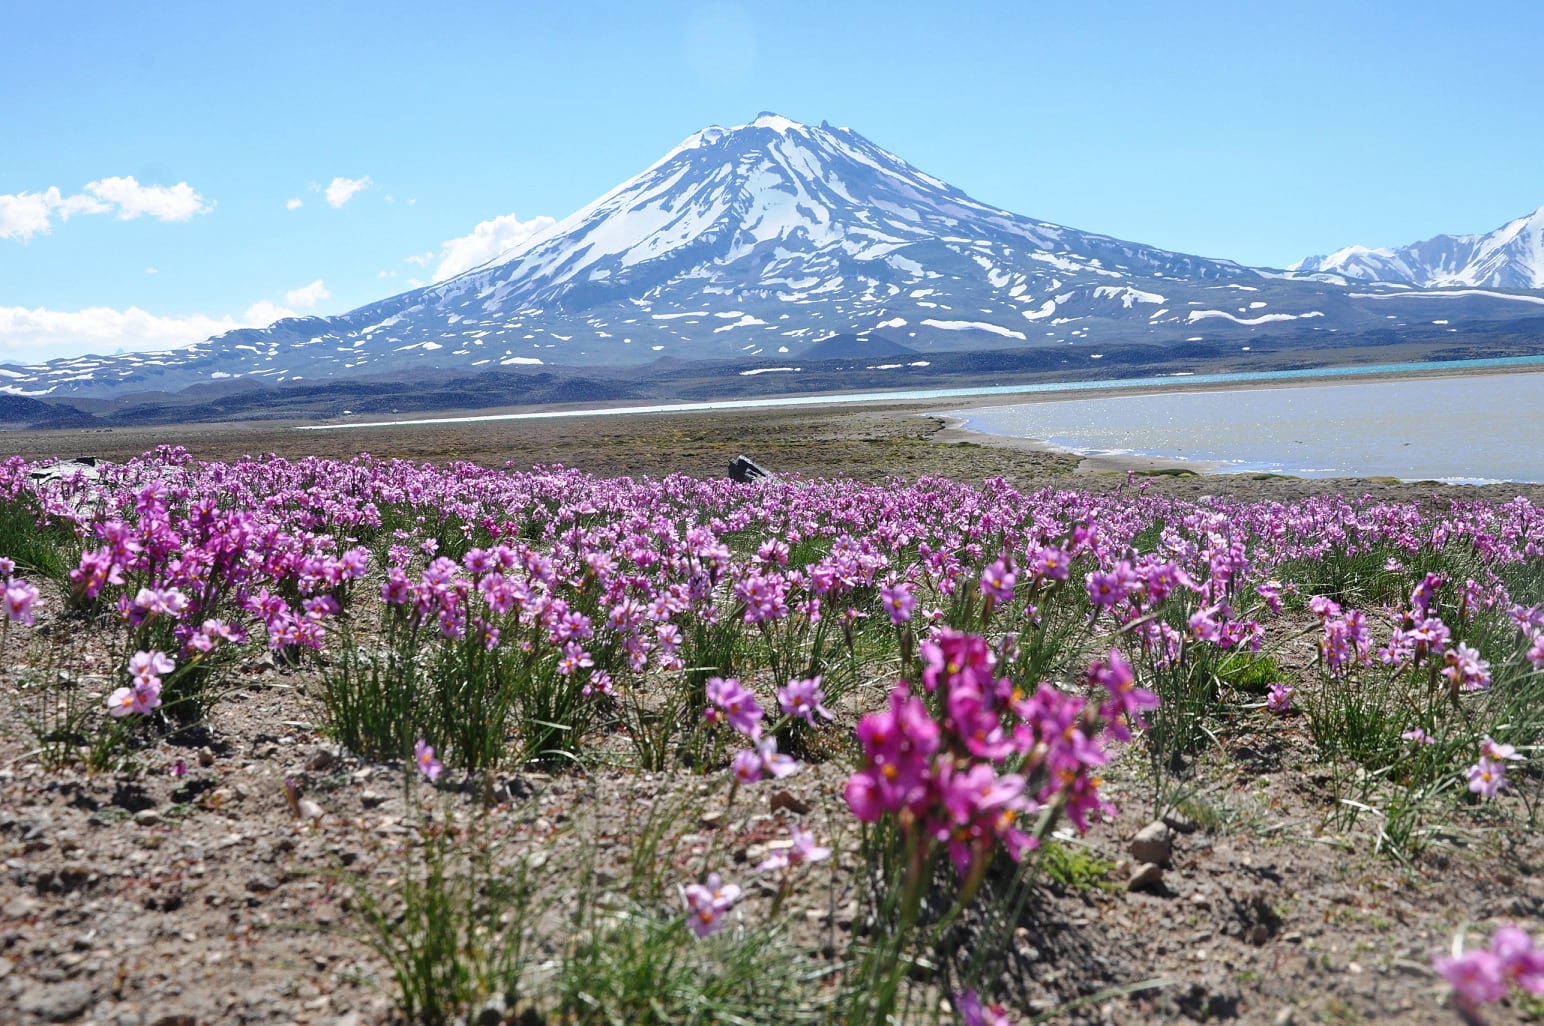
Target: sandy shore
{"type": "Point", "coordinates": [954, 432]}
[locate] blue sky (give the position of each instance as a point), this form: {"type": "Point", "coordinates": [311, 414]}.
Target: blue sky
{"type": "Point", "coordinates": [169, 170]}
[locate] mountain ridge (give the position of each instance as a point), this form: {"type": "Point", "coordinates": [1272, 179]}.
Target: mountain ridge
{"type": "Point", "coordinates": [1509, 257]}
{"type": "Point", "coordinates": [758, 241]}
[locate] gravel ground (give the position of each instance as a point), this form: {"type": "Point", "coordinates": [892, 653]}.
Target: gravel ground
{"type": "Point", "coordinates": [165, 900]}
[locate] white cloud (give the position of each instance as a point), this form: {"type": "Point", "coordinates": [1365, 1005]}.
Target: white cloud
{"type": "Point", "coordinates": [488, 240]}
{"type": "Point", "coordinates": [32, 336]}
{"type": "Point", "coordinates": [164, 203]}
{"type": "Point", "coordinates": [38, 335]}
{"type": "Point", "coordinates": [25, 214]}
{"type": "Point", "coordinates": [308, 295]}
{"type": "Point", "coordinates": [152, 270]}
{"type": "Point", "coordinates": [293, 203]}
{"type": "Point", "coordinates": [341, 190]}
{"type": "Point", "coordinates": [263, 313]}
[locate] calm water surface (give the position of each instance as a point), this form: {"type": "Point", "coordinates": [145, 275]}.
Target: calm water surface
{"type": "Point", "coordinates": [1463, 429]}
{"type": "Point", "coordinates": [956, 393]}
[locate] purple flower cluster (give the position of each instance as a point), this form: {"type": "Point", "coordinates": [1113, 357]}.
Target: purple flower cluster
{"type": "Point", "coordinates": [964, 777]}
{"type": "Point", "coordinates": [143, 694]}
{"type": "Point", "coordinates": [1481, 976]}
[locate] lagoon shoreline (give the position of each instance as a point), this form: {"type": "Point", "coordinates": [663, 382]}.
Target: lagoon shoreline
{"type": "Point", "coordinates": [867, 440]}
{"type": "Point", "coordinates": [961, 428]}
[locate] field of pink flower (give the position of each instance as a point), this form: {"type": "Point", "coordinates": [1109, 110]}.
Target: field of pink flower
{"type": "Point", "coordinates": [379, 741]}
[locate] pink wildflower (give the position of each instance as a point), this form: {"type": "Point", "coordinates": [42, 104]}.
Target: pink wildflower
{"type": "Point", "coordinates": [803, 699]}
{"type": "Point", "coordinates": [1486, 777]}
{"type": "Point", "coordinates": [974, 1013]}
{"type": "Point", "coordinates": [19, 599]}
{"type": "Point", "coordinates": [423, 758]}
{"type": "Point", "coordinates": [707, 903]}
{"type": "Point", "coordinates": [1279, 701]}
{"type": "Point", "coordinates": [802, 849]}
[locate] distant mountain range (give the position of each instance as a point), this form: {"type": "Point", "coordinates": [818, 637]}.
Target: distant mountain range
{"type": "Point", "coordinates": [772, 244]}
{"type": "Point", "coordinates": [1511, 257]}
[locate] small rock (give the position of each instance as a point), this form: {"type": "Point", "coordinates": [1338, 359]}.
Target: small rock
{"type": "Point", "coordinates": [176, 1019]}
{"type": "Point", "coordinates": [309, 809]}
{"type": "Point", "coordinates": [1179, 822]}
{"type": "Point", "coordinates": [1153, 843]}
{"type": "Point", "coordinates": [57, 1002]}
{"type": "Point", "coordinates": [147, 817]}
{"type": "Point", "coordinates": [711, 820]}
{"type": "Point", "coordinates": [320, 760]}
{"type": "Point", "coordinates": [372, 799]}
{"type": "Point", "coordinates": [1145, 875]}
{"type": "Point", "coordinates": [205, 757]}
{"type": "Point", "coordinates": [262, 884]}
{"type": "Point", "coordinates": [1286, 1017]}
{"type": "Point", "coordinates": [784, 800]}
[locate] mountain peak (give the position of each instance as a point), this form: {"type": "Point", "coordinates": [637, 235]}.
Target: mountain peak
{"type": "Point", "coordinates": [776, 122]}
{"type": "Point", "coordinates": [1510, 257]}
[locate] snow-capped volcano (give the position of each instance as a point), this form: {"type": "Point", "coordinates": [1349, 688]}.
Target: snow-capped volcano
{"type": "Point", "coordinates": [765, 242]}
{"type": "Point", "coordinates": [1511, 257]}
{"type": "Point", "coordinates": [776, 210]}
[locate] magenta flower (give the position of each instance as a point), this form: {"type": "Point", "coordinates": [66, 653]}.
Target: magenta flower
{"type": "Point", "coordinates": [754, 764]}
{"type": "Point", "coordinates": [1323, 606]}
{"type": "Point", "coordinates": [145, 667]}
{"type": "Point", "coordinates": [1465, 670]}
{"type": "Point", "coordinates": [1486, 777]}
{"type": "Point", "coordinates": [803, 699]}
{"type": "Point", "coordinates": [1521, 962]}
{"type": "Point", "coordinates": [1126, 700]}
{"type": "Point", "coordinates": [707, 903]}
{"type": "Point", "coordinates": [1050, 564]}
{"type": "Point", "coordinates": [1476, 976]}
{"type": "Point", "coordinates": [139, 699]}
{"type": "Point", "coordinates": [574, 658]}
{"type": "Point", "coordinates": [19, 599]}
{"type": "Point", "coordinates": [898, 601]}
{"type": "Point", "coordinates": [423, 758]}
{"type": "Point", "coordinates": [997, 581]}
{"type": "Point", "coordinates": [974, 1013]}
{"type": "Point", "coordinates": [1498, 752]}
{"type": "Point", "coordinates": [764, 597]}
{"type": "Point", "coordinates": [800, 850]}
{"type": "Point", "coordinates": [1481, 976]}
{"type": "Point", "coordinates": [1279, 700]}
{"type": "Point", "coordinates": [737, 704]}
